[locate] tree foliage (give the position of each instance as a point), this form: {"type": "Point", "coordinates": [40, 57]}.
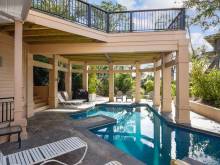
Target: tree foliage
{"type": "Point", "coordinates": [207, 12]}
{"type": "Point", "coordinates": [111, 6]}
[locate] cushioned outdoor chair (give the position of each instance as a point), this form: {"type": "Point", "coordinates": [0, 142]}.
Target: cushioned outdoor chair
{"type": "Point", "coordinates": [119, 96]}
{"type": "Point", "coordinates": [45, 153]}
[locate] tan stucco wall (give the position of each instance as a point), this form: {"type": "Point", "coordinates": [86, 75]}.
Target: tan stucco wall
{"type": "Point", "coordinates": [205, 110]}
{"type": "Point", "coordinates": [42, 92]}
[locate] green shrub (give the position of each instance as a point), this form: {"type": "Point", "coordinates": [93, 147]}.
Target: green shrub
{"type": "Point", "coordinates": [92, 83]}
{"type": "Point", "coordinates": [173, 89]}
{"type": "Point", "coordinates": [205, 85]}
{"type": "Point", "coordinates": [123, 82]}
{"type": "Point", "coordinates": [149, 86]}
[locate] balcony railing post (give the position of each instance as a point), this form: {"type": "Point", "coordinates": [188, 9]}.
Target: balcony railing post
{"type": "Point", "coordinates": [131, 21]}
{"type": "Point", "coordinates": [89, 15]}
{"type": "Point", "coordinates": [107, 23]}
{"type": "Point", "coordinates": [183, 19]}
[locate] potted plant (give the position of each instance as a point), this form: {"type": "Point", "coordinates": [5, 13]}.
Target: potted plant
{"type": "Point", "coordinates": [92, 87]}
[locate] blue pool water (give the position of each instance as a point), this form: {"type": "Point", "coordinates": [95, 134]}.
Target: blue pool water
{"type": "Point", "coordinates": [143, 135]}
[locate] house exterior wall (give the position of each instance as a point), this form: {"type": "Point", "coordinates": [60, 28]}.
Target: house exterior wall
{"type": "Point", "coordinates": [7, 74]}
{"type": "Point", "coordinates": [7, 66]}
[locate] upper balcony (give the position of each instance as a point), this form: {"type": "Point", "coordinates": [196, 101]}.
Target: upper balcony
{"type": "Point", "coordinates": [83, 13]}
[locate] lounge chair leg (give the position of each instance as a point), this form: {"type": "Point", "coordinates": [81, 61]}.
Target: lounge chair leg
{"type": "Point", "coordinates": [84, 154]}
{"type": "Point", "coordinates": [53, 160]}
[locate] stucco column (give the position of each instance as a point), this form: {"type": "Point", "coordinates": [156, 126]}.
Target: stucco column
{"type": "Point", "coordinates": [20, 114]}
{"type": "Point", "coordinates": [68, 80]}
{"type": "Point", "coordinates": [156, 97]}
{"type": "Point", "coordinates": [30, 86]}
{"type": "Point", "coordinates": [53, 85]}
{"type": "Point", "coordinates": [166, 85]}
{"type": "Point", "coordinates": [182, 84]}
{"type": "Point", "coordinates": [138, 84]}
{"type": "Point", "coordinates": [111, 83]}
{"type": "Point", "coordinates": [85, 77]}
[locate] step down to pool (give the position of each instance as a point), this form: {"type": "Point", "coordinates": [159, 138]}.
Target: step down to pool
{"type": "Point", "coordinates": [94, 122]}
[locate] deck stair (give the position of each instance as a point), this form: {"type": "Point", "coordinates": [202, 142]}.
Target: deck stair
{"type": "Point", "coordinates": [40, 104]}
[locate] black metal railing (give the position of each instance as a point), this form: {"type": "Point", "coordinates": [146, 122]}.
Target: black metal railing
{"type": "Point", "coordinates": [126, 21]}
{"type": "Point", "coordinates": [6, 109]}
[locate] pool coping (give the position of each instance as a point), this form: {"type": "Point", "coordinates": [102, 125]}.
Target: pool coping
{"type": "Point", "coordinates": [164, 116]}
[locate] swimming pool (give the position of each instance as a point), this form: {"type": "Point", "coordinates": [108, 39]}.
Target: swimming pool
{"type": "Point", "coordinates": [142, 134]}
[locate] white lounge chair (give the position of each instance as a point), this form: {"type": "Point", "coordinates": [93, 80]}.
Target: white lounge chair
{"type": "Point", "coordinates": [46, 153]}
{"type": "Point", "coordinates": [68, 102]}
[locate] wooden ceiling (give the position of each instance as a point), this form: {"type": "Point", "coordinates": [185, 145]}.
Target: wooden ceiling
{"type": "Point", "coordinates": [122, 57]}
{"type": "Point", "coordinates": [37, 34]}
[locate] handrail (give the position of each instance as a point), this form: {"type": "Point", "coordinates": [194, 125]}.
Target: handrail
{"type": "Point", "coordinates": [6, 109]}
{"type": "Point", "coordinates": [86, 14]}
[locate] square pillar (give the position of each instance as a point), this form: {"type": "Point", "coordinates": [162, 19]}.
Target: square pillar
{"type": "Point", "coordinates": [53, 83]}
{"type": "Point", "coordinates": [68, 80]}
{"type": "Point", "coordinates": [182, 84]}
{"type": "Point", "coordinates": [156, 97]}
{"type": "Point", "coordinates": [166, 85]}
{"type": "Point", "coordinates": [85, 76]}
{"type": "Point", "coordinates": [111, 83]}
{"type": "Point", "coordinates": [20, 114]}
{"type": "Point", "coordinates": [30, 86]}
{"type": "Point", "coordinates": [138, 84]}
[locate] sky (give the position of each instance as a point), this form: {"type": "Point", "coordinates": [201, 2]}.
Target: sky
{"type": "Point", "coordinates": [196, 32]}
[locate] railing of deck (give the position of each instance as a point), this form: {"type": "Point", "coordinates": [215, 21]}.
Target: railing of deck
{"type": "Point", "coordinates": [113, 22]}
{"type": "Point", "coordinates": [6, 109]}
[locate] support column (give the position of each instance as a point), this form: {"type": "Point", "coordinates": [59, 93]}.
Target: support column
{"type": "Point", "coordinates": [182, 84]}
{"type": "Point", "coordinates": [20, 114]}
{"type": "Point", "coordinates": [53, 84]}
{"type": "Point", "coordinates": [30, 86]}
{"type": "Point", "coordinates": [68, 80]}
{"type": "Point", "coordinates": [166, 85]}
{"type": "Point", "coordinates": [111, 83]}
{"type": "Point", "coordinates": [156, 97]}
{"type": "Point", "coordinates": [138, 84]}
{"type": "Point", "coordinates": [85, 77]}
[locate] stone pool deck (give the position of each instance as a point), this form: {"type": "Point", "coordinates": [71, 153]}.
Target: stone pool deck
{"type": "Point", "coordinates": [46, 127]}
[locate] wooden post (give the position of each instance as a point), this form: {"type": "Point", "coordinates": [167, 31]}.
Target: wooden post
{"type": "Point", "coordinates": [166, 85]}
{"type": "Point", "coordinates": [182, 84]}
{"type": "Point", "coordinates": [53, 84]}
{"type": "Point", "coordinates": [156, 97]}
{"type": "Point", "coordinates": [85, 76]}
{"type": "Point", "coordinates": [111, 83]}
{"type": "Point", "coordinates": [30, 86]}
{"type": "Point", "coordinates": [20, 114]}
{"type": "Point", "coordinates": [138, 84]}
{"type": "Point", "coordinates": [68, 80]}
